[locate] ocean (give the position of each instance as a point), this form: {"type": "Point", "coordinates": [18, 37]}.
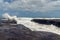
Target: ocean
{"type": "Point", "coordinates": [34, 26]}
{"type": "Point", "coordinates": [23, 28]}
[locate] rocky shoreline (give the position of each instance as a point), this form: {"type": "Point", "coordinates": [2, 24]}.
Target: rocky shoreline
{"type": "Point", "coordinates": [9, 30]}
{"type": "Point", "coordinates": [20, 32]}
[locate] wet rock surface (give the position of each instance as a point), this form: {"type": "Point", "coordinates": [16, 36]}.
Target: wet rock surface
{"type": "Point", "coordinates": [20, 32]}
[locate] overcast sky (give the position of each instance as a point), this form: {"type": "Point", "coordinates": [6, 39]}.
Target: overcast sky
{"type": "Point", "coordinates": [31, 8]}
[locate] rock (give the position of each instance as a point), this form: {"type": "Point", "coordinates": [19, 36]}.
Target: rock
{"type": "Point", "coordinates": [55, 22]}
{"type": "Point", "coordinates": [14, 33]}
{"type": "Point", "coordinates": [20, 32]}
{"type": "Point", "coordinates": [41, 35]}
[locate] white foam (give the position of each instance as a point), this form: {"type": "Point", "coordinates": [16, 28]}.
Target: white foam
{"type": "Point", "coordinates": [7, 16]}
{"type": "Point", "coordinates": [33, 26]}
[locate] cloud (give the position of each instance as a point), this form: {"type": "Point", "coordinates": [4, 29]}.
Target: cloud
{"type": "Point", "coordinates": [33, 5]}
{"type": "Point", "coordinates": [1, 0]}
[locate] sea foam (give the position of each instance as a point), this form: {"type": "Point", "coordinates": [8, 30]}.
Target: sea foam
{"type": "Point", "coordinates": [32, 25]}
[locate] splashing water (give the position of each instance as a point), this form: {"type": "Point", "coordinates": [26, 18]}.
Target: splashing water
{"type": "Point", "coordinates": [32, 25]}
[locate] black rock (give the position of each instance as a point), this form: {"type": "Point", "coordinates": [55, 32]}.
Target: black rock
{"type": "Point", "coordinates": [47, 22]}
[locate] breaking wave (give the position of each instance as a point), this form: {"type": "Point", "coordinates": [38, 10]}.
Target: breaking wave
{"type": "Point", "coordinates": [33, 25]}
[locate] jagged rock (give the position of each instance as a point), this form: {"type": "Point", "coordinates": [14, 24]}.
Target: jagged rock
{"type": "Point", "coordinates": [20, 32]}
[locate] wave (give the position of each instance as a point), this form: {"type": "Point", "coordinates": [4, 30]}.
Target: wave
{"type": "Point", "coordinates": [33, 25]}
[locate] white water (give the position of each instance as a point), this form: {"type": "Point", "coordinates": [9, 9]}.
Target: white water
{"type": "Point", "coordinates": [33, 26]}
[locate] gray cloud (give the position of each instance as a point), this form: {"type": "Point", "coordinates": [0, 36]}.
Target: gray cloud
{"type": "Point", "coordinates": [33, 5]}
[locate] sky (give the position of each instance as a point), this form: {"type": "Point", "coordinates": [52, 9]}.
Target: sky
{"type": "Point", "coordinates": [31, 8]}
